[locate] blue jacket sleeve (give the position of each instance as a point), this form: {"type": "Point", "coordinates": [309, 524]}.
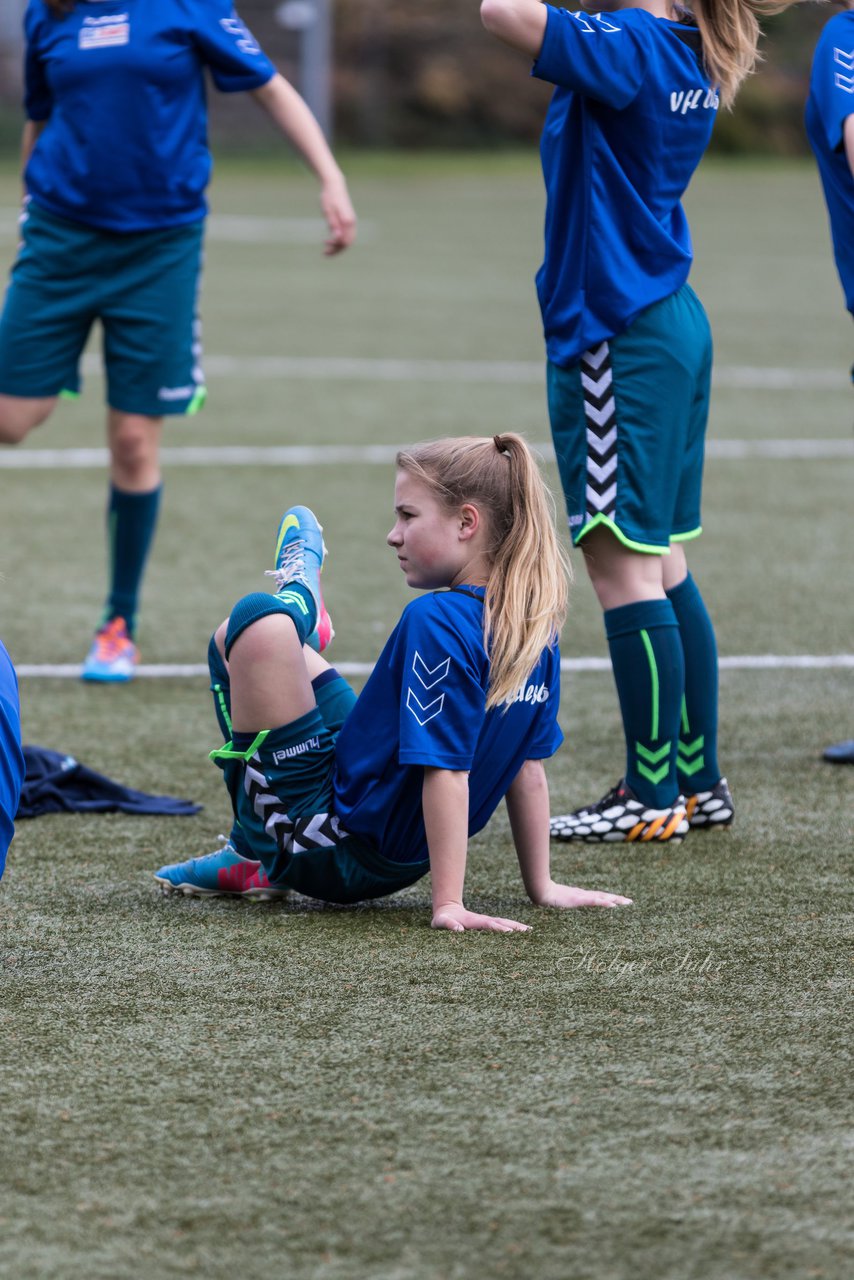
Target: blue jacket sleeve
{"type": "Point", "coordinates": [601, 56]}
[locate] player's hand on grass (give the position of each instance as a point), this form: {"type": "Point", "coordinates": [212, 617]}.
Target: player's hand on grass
{"type": "Point", "coordinates": [457, 919]}
{"type": "Point", "coordinates": [567, 895]}
{"type": "Point", "coordinates": [339, 214]}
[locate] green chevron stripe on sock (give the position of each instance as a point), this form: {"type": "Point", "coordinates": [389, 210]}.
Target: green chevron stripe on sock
{"type": "Point", "coordinates": [646, 757]}
{"type": "Point", "coordinates": [689, 769]}
{"type": "Point", "coordinates": [654, 775]}
{"type": "Point", "coordinates": [652, 757]}
{"type": "Point", "coordinates": [686, 750]}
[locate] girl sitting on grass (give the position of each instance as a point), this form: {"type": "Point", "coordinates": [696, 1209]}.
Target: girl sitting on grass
{"type": "Point", "coordinates": [345, 799]}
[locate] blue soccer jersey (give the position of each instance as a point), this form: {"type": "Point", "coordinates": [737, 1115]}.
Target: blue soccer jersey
{"type": "Point", "coordinates": [121, 87]}
{"type": "Point", "coordinates": [830, 102]}
{"type": "Point", "coordinates": [425, 704]}
{"type": "Point", "coordinates": [11, 755]}
{"type": "Point", "coordinates": [630, 118]}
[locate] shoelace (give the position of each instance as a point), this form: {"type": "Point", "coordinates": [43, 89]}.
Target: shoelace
{"type": "Point", "coordinates": [292, 568]}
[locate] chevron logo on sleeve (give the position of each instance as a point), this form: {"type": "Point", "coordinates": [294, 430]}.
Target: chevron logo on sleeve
{"type": "Point", "coordinates": [428, 676]}
{"type": "Point", "coordinates": [845, 83]}
{"type": "Point", "coordinates": [424, 713]}
{"type": "Point", "coordinates": [844, 59]}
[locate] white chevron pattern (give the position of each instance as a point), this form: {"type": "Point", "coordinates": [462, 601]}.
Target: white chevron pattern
{"type": "Point", "coordinates": [601, 444]}
{"type": "Point", "coordinates": [600, 410]}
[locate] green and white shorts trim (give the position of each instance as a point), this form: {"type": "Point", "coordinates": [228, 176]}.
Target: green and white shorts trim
{"type": "Point", "coordinates": [143, 286]}
{"type": "Point", "coordinates": [629, 421]}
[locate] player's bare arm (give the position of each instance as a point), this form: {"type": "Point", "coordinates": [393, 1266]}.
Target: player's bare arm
{"type": "Point", "coordinates": [291, 115]}
{"type": "Point", "coordinates": [520, 23]}
{"type": "Point", "coordinates": [848, 140]}
{"type": "Point", "coordinates": [445, 803]}
{"type": "Point", "coordinates": [29, 137]}
{"type": "Point", "coordinates": [528, 810]}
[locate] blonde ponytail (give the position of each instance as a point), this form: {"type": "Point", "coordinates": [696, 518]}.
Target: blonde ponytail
{"type": "Point", "coordinates": [730, 32]}
{"type": "Point", "coordinates": [526, 593]}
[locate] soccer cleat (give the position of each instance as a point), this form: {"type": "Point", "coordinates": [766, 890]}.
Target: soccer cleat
{"type": "Point", "coordinates": [300, 553]}
{"type": "Point", "coordinates": [620, 816]}
{"type": "Point", "coordinates": [840, 752]}
{"type": "Point", "coordinates": [709, 809]}
{"type": "Point", "coordinates": [223, 873]}
{"type": "Point", "coordinates": [113, 656]}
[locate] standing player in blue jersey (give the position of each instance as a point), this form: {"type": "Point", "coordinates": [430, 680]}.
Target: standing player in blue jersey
{"type": "Point", "coordinates": [11, 756]}
{"type": "Point", "coordinates": [116, 164]}
{"type": "Point", "coordinates": [344, 798]}
{"type": "Point", "coordinates": [830, 128]}
{"type": "Point", "coordinates": [637, 86]}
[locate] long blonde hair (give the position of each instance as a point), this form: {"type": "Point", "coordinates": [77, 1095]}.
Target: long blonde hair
{"type": "Point", "coordinates": [730, 32]}
{"type": "Point", "coordinates": [526, 593]}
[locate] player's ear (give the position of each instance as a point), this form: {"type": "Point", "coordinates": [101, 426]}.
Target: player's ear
{"type": "Point", "coordinates": [470, 521]}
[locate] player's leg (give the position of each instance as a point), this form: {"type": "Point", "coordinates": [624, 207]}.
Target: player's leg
{"type": "Point", "coordinates": [133, 505]}
{"type": "Point", "coordinates": [19, 414]}
{"type": "Point", "coordinates": [264, 674]}
{"type": "Point", "coordinates": [152, 361]}
{"type": "Point", "coordinates": [615, 416]}
{"type": "Point", "coordinates": [709, 801]}
{"type": "Point", "coordinates": [648, 665]}
{"type": "Point", "coordinates": [46, 317]}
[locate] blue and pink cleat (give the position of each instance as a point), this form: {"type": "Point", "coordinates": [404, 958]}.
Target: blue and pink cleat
{"type": "Point", "coordinates": [300, 553]}
{"type": "Point", "coordinates": [223, 873]}
{"type": "Point", "coordinates": [113, 656]}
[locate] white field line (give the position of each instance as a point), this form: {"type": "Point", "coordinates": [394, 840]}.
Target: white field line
{"type": "Point", "coordinates": [745, 662]}
{"type": "Point", "coordinates": [333, 455]}
{"type": "Point", "coordinates": [368, 369]}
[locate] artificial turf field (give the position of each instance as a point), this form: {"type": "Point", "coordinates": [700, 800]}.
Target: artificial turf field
{"type": "Point", "coordinates": [221, 1089]}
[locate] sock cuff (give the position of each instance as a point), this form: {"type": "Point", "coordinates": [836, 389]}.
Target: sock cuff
{"type": "Point", "coordinates": [640, 616]}
{"type": "Point", "coordinates": [683, 591]}
{"type": "Point", "coordinates": [134, 497]}
{"type": "Point", "coordinates": [258, 605]}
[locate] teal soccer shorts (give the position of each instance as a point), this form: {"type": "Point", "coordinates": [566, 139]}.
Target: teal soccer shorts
{"type": "Point", "coordinates": [282, 796]}
{"type": "Point", "coordinates": [629, 423]}
{"type": "Point", "coordinates": [143, 286]}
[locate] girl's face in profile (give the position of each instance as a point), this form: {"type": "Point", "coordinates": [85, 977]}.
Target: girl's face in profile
{"type": "Point", "coordinates": [433, 544]}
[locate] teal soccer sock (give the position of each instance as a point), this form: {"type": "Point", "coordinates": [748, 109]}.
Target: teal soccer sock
{"type": "Point", "coordinates": [698, 739]}
{"type": "Point", "coordinates": [131, 522]}
{"type": "Point", "coordinates": [295, 600]}
{"type": "Point", "coordinates": [649, 671]}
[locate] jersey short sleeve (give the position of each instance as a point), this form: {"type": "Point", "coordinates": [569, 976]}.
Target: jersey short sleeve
{"type": "Point", "coordinates": [235, 59]}
{"type": "Point", "coordinates": [443, 692]}
{"type": "Point", "coordinates": [599, 55]}
{"type": "Point", "coordinates": [832, 84]}
{"type": "Point", "coordinates": [38, 100]}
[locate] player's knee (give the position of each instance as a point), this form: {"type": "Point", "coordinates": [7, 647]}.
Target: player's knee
{"type": "Point", "coordinates": [18, 416]}
{"type": "Point", "coordinates": [130, 450]}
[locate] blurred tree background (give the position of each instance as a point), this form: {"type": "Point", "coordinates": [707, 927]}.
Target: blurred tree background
{"type": "Point", "coordinates": [410, 74]}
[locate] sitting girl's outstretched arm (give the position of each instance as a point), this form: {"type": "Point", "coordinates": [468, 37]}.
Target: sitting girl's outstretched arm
{"type": "Point", "coordinates": [445, 801]}
{"type": "Point", "coordinates": [528, 810]}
